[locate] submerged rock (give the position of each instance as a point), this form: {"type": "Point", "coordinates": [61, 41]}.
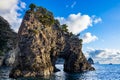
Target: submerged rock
{"type": "Point", "coordinates": [41, 42]}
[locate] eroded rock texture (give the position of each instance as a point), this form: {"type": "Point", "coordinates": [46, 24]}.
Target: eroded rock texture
{"type": "Point", "coordinates": [8, 43]}
{"type": "Point", "coordinates": [75, 60]}
{"type": "Point", "coordinates": [41, 42]}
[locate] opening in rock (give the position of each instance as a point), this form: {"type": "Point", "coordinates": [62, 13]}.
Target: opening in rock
{"type": "Point", "coordinates": [60, 64]}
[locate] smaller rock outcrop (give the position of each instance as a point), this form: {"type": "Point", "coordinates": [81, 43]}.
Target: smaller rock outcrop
{"type": "Point", "coordinates": [90, 60]}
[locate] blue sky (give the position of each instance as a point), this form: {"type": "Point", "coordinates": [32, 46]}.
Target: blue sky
{"type": "Point", "coordinates": [109, 10]}
{"type": "Point", "coordinates": [102, 36]}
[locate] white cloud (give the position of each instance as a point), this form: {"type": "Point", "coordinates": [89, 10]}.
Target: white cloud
{"type": "Point", "coordinates": [77, 22]}
{"type": "Point", "coordinates": [9, 10]}
{"type": "Point", "coordinates": [74, 3]}
{"type": "Point", "coordinates": [104, 56]}
{"type": "Point", "coordinates": [23, 5]}
{"type": "Point", "coordinates": [87, 38]}
{"type": "Point", "coordinates": [97, 20]}
{"type": "Point", "coordinates": [71, 5]}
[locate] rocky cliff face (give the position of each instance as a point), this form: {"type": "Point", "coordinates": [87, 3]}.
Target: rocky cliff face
{"type": "Point", "coordinates": [41, 42]}
{"type": "Point", "coordinates": [8, 42]}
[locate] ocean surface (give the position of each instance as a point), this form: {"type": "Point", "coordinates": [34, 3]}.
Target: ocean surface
{"type": "Point", "coordinates": [102, 72]}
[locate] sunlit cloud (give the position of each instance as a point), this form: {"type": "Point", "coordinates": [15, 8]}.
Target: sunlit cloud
{"type": "Point", "coordinates": [97, 20]}
{"type": "Point", "coordinates": [88, 37]}
{"type": "Point", "coordinates": [77, 22]}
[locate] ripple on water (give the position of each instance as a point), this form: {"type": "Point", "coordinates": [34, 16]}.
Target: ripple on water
{"type": "Point", "coordinates": [103, 72]}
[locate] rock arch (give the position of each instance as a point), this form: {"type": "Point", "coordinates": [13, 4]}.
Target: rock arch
{"type": "Point", "coordinates": [38, 59]}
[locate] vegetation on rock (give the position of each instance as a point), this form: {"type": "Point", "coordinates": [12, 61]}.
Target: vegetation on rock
{"type": "Point", "coordinates": [33, 31]}
{"type": "Point", "coordinates": [64, 27]}
{"type": "Point", "coordinates": [44, 16]}
{"type": "Point", "coordinates": [32, 6]}
{"type": "Point", "coordinates": [81, 40]}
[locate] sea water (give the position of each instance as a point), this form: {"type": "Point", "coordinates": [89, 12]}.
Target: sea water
{"type": "Point", "coordinates": [102, 72]}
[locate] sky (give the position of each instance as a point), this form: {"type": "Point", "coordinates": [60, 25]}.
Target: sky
{"type": "Point", "coordinates": [97, 21]}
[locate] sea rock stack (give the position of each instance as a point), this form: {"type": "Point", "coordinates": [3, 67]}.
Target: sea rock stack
{"type": "Point", "coordinates": [42, 40]}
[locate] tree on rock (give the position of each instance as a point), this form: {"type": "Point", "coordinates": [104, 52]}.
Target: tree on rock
{"type": "Point", "coordinates": [64, 28]}
{"type": "Point", "coordinates": [32, 6]}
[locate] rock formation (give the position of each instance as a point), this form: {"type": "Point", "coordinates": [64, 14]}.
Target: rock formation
{"type": "Point", "coordinates": [41, 41]}
{"type": "Point", "coordinates": [8, 42]}
{"type": "Point", "coordinates": [90, 60]}
{"type": "Point", "coordinates": [75, 60]}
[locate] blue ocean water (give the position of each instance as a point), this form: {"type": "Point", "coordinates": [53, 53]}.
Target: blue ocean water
{"type": "Point", "coordinates": [102, 72]}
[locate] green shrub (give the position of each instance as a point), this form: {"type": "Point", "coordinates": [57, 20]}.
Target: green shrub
{"type": "Point", "coordinates": [64, 27]}
{"type": "Point", "coordinates": [46, 19]}
{"type": "Point", "coordinates": [57, 22]}
{"type": "Point", "coordinates": [44, 16]}
{"type": "Point", "coordinates": [71, 34]}
{"type": "Point", "coordinates": [33, 31]}
{"type": "Point", "coordinates": [32, 6]}
{"type": "Point", "coordinates": [81, 41]}
{"type": "Point", "coordinates": [41, 10]}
